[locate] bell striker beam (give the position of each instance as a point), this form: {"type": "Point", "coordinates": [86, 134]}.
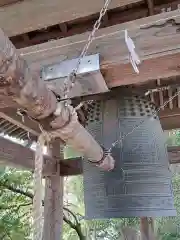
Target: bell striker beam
{"type": "Point", "coordinates": [53, 201]}
{"type": "Point", "coordinates": [26, 88]}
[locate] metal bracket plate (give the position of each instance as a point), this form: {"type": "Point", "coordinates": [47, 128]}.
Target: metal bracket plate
{"type": "Point", "coordinates": [89, 79]}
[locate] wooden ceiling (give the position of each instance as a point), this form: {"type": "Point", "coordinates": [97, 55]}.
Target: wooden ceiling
{"type": "Point", "coordinates": [8, 2]}
{"type": "Point", "coordinates": [36, 21]}
{"type": "Point", "coordinates": [31, 15]}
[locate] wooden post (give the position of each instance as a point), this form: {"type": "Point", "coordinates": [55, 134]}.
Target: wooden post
{"type": "Point", "coordinates": [129, 233]}
{"type": "Point", "coordinates": [147, 228]}
{"type": "Point", "coordinates": [53, 200]}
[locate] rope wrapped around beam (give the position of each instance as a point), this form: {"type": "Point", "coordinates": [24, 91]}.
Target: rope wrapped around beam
{"type": "Point", "coordinates": [24, 87]}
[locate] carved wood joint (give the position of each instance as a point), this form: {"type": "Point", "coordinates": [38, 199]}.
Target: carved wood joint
{"type": "Point", "coordinates": [51, 168]}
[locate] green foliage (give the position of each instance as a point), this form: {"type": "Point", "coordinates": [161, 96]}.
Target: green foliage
{"type": "Point", "coordinates": [15, 208]}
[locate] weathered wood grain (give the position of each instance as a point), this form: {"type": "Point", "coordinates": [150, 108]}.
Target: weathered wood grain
{"type": "Point", "coordinates": [113, 17]}
{"type": "Point", "coordinates": [29, 15]}
{"type": "Point", "coordinates": [53, 200]}
{"type": "Point", "coordinates": [158, 47]}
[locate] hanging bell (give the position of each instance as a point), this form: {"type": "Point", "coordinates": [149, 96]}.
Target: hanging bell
{"type": "Point", "coordinates": [140, 184]}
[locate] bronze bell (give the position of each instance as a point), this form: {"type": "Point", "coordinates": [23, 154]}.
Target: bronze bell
{"type": "Point", "coordinates": [140, 184]}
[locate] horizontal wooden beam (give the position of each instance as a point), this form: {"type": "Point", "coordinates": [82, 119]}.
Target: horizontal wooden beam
{"type": "Point", "coordinates": [28, 16]}
{"type": "Point", "coordinates": [156, 39]}
{"type": "Point", "coordinates": [19, 156]}
{"type": "Point", "coordinates": [170, 118]}
{"type": "Point", "coordinates": [113, 17]}
{"type": "Point", "coordinates": [16, 155]}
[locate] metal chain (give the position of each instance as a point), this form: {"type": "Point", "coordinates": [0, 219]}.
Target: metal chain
{"type": "Point", "coordinates": [70, 81]}
{"type": "Point", "coordinates": [143, 121]}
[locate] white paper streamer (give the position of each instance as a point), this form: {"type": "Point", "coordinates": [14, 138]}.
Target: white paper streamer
{"type": "Point", "coordinates": [134, 58]}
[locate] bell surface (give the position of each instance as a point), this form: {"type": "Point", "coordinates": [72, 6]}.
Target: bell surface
{"type": "Point", "coordinates": [140, 184]}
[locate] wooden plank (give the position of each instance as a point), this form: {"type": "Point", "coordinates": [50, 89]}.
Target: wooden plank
{"type": "Point", "coordinates": [53, 200]}
{"type": "Point", "coordinates": [31, 15]}
{"type": "Point", "coordinates": [174, 154]}
{"type": "Point", "coordinates": [171, 122]}
{"type": "Point", "coordinates": [28, 90]}
{"type": "Point", "coordinates": [113, 17]}
{"type": "Point", "coordinates": [17, 155]}
{"type": "Point", "coordinates": [158, 46]}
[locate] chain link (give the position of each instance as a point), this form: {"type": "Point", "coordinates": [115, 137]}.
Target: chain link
{"type": "Point", "coordinates": [143, 121]}
{"type": "Point", "coordinates": [70, 81]}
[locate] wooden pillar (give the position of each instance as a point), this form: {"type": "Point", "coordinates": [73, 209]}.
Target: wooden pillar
{"type": "Point", "coordinates": [129, 233]}
{"type": "Point", "coordinates": [147, 228]}
{"type": "Point", "coordinates": [53, 200]}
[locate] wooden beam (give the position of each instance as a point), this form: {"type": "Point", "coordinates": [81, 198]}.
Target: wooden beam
{"type": "Point", "coordinates": [170, 118]}
{"type": "Point", "coordinates": [53, 200]}
{"type": "Point", "coordinates": [147, 228]}
{"type": "Point", "coordinates": [157, 41]}
{"type": "Point", "coordinates": [174, 154]}
{"type": "Point", "coordinates": [31, 15]}
{"type": "Point", "coordinates": [17, 155]}
{"type": "Point", "coordinates": [113, 17]}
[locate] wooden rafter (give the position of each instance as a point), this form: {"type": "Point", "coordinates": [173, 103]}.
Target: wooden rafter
{"type": "Point", "coordinates": [31, 15]}
{"type": "Point", "coordinates": [156, 39]}
{"type": "Point", "coordinates": [53, 200]}
{"type": "Point", "coordinates": [70, 28]}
